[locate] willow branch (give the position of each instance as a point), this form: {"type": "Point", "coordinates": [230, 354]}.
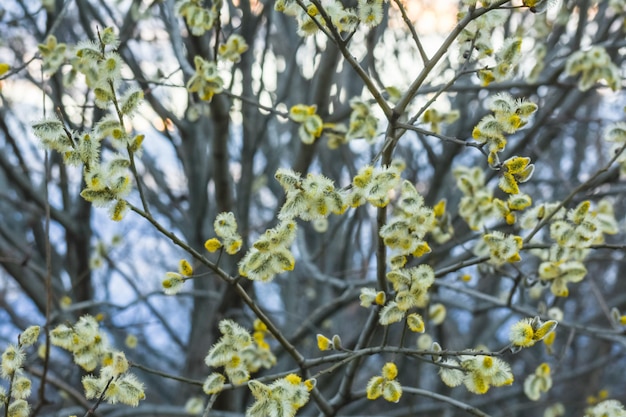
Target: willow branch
{"type": "Point", "coordinates": [449, 400]}
{"type": "Point", "coordinates": [573, 194]}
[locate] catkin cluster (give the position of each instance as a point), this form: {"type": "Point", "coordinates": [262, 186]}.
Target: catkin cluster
{"type": "Point", "coordinates": [90, 348]}
{"type": "Point", "coordinates": [411, 287]}
{"type": "Point", "coordinates": [509, 115]}
{"type": "Point", "coordinates": [12, 370]}
{"type": "Point", "coordinates": [593, 65]}
{"type": "Point", "coordinates": [270, 254]}
{"type": "Point", "coordinates": [107, 180]}
{"type": "Point", "coordinates": [199, 18]}
{"type": "Point", "coordinates": [477, 372]}
{"type": "Point", "coordinates": [405, 231]}
{"type": "Point", "coordinates": [385, 385]}
{"type": "Point", "coordinates": [539, 382]}
{"type": "Point", "coordinates": [342, 19]}
{"type": "Point", "coordinates": [225, 226]}
{"type": "Point", "coordinates": [573, 232]}
{"type": "Point", "coordinates": [238, 353]}
{"type": "Point", "coordinates": [114, 383]}
{"type": "Point", "coordinates": [206, 81]}
{"type": "Point", "coordinates": [282, 398]}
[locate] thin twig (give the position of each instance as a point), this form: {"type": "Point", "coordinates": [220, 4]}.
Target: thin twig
{"type": "Point", "coordinates": [408, 96]}
{"type": "Point", "coordinates": [411, 28]}
{"type": "Point", "coordinates": [62, 385]}
{"type": "Point", "coordinates": [449, 400]}
{"type": "Point", "coordinates": [573, 194]}
{"type": "Point", "coordinates": [450, 139]}
{"type": "Point", "coordinates": [166, 375]}
{"type": "Point", "coordinates": [18, 69]}
{"type": "Point", "coordinates": [271, 327]}
{"type": "Point", "coordinates": [341, 44]}
{"type": "Point", "coordinates": [93, 409]}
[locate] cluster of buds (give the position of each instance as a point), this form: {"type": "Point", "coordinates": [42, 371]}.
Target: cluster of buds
{"type": "Point", "coordinates": [335, 135]}
{"type": "Point", "coordinates": [477, 372]}
{"type": "Point", "coordinates": [507, 58]}
{"type": "Point", "coordinates": [370, 12]}
{"type": "Point", "coordinates": [52, 53]}
{"type": "Point", "coordinates": [561, 272]}
{"type": "Point", "coordinates": [305, 15]}
{"type": "Point", "coordinates": [90, 348]}
{"type": "Point", "coordinates": [284, 397]}
{"type": "Point", "coordinates": [528, 331]}
{"type": "Point", "coordinates": [233, 48]}
{"type": "Point", "coordinates": [206, 81]}
{"type": "Point", "coordinates": [311, 198]}
{"type": "Point", "coordinates": [83, 339]}
{"type": "Point", "coordinates": [106, 183]}
{"type": "Point", "coordinates": [309, 21]}
{"type": "Point", "coordinates": [344, 20]}
{"type": "Point", "coordinates": [375, 184]}
{"type": "Point", "coordinates": [502, 248]}
{"type": "Point", "coordinates": [477, 43]}
{"type": "Point", "coordinates": [173, 281]}
{"type": "Point", "coordinates": [100, 64]}
{"type": "Point", "coordinates": [111, 126]}
{"type": "Point", "coordinates": [11, 369]}
{"type": "Point", "coordinates": [574, 231]}
{"type": "Point", "coordinates": [534, 215]}
{"type": "Point", "coordinates": [475, 38]}
{"type": "Point", "coordinates": [515, 203]}
{"type": "Point", "coordinates": [238, 353]}
{"type": "Point", "coordinates": [476, 205]}
{"type": "Point", "coordinates": [114, 384]}
{"type": "Point", "coordinates": [363, 124]}
{"type": "Point", "coordinates": [270, 254]}
{"type": "Point", "coordinates": [225, 226]}
{"type": "Point", "coordinates": [411, 286]}
{"type": "Point", "coordinates": [226, 353]}
{"type": "Point", "coordinates": [616, 134]}
{"type": "Point", "coordinates": [311, 124]}
{"type": "Point", "coordinates": [607, 408]}
{"type": "Point", "coordinates": [324, 343]}
{"type": "Point", "coordinates": [385, 385]}
{"type": "Point", "coordinates": [259, 355]}
{"type": "Point", "coordinates": [288, 7]}
{"type": "Point", "coordinates": [515, 170]}
{"type": "Point", "coordinates": [508, 116]}
{"type": "Point", "coordinates": [538, 382]}
{"type": "Point", "coordinates": [442, 230]}
{"type": "Point", "coordinates": [52, 135]}
{"type": "Point", "coordinates": [406, 229]}
{"type": "Point", "coordinates": [199, 19]}
{"type": "Point", "coordinates": [435, 118]}
{"type": "Point", "coordinates": [370, 296]}
{"type": "Point", "coordinates": [593, 65]}
{"type": "Point", "coordinates": [584, 227]}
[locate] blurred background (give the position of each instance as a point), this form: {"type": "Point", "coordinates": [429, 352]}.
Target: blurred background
{"type": "Point", "coordinates": [202, 158]}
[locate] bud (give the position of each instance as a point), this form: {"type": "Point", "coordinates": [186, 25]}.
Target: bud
{"type": "Point", "coordinates": [214, 383]}
{"type": "Point", "coordinates": [29, 336]}
{"type": "Point", "coordinates": [337, 342]}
